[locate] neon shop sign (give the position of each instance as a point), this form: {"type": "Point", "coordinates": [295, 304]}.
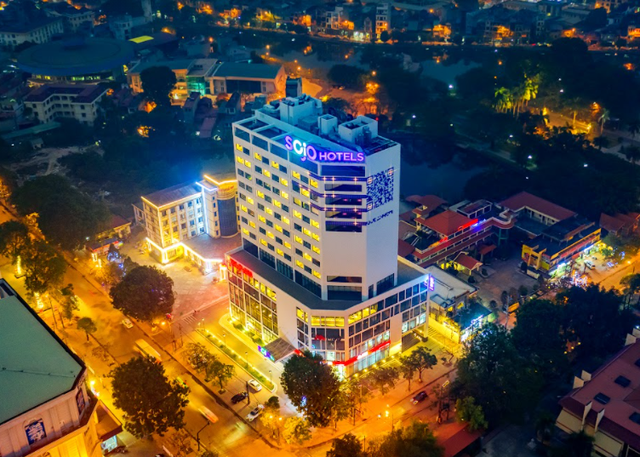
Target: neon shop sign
{"type": "Point", "coordinates": [266, 353]}
{"type": "Point", "coordinates": [307, 151]}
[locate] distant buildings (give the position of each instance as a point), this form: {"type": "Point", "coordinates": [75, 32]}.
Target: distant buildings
{"type": "Point", "coordinates": [212, 77]}
{"type": "Point", "coordinates": [606, 404]}
{"type": "Point", "coordinates": [72, 101]}
{"type": "Point", "coordinates": [197, 221]}
{"type": "Point", "coordinates": [39, 31]}
{"type": "Point", "coordinates": [46, 405]}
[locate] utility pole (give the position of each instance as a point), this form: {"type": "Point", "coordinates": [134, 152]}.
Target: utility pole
{"type": "Point", "coordinates": [198, 434]}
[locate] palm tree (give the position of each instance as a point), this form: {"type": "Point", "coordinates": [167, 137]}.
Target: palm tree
{"type": "Point", "coordinates": [606, 115]}
{"type": "Point", "coordinates": [530, 86]}
{"type": "Point", "coordinates": [503, 100]}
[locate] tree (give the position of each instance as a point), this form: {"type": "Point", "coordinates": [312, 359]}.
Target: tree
{"type": "Point", "coordinates": [385, 36]}
{"type": "Point", "coordinates": [356, 393]}
{"type": "Point", "coordinates": [66, 216]}
{"type": "Point", "coordinates": [467, 411]}
{"type": "Point", "coordinates": [219, 372]}
{"type": "Point", "coordinates": [408, 369]}
{"type": "Point", "coordinates": [44, 268]}
{"type": "Point", "coordinates": [632, 153]}
{"type": "Point", "coordinates": [14, 239]}
{"type": "Point", "coordinates": [346, 446]}
{"type": "Point", "coordinates": [69, 302]}
{"type": "Point", "coordinates": [198, 357]}
{"type": "Point", "coordinates": [631, 282]}
{"type": "Point", "coordinates": [312, 387]}
{"type": "Point", "coordinates": [493, 372]}
{"type": "Point", "coordinates": [157, 84]}
{"type": "Point", "coordinates": [601, 142]}
{"type": "Point", "coordinates": [347, 75]}
{"type": "Point", "coordinates": [296, 430]}
{"type": "Point", "coordinates": [271, 418]}
{"type": "Point", "coordinates": [151, 403]}
{"type": "Point", "coordinates": [145, 293]}
{"type": "Point", "coordinates": [384, 378]}
{"type": "Point", "coordinates": [423, 359]}
{"type": "Point", "coordinates": [87, 325]}
{"type": "Point", "coordinates": [416, 440]}
{"type": "Point", "coordinates": [577, 444]}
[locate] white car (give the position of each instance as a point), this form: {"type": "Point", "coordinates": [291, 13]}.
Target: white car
{"type": "Point", "coordinates": [127, 322]}
{"type": "Point", "coordinates": [255, 385]}
{"type": "Point", "coordinates": [255, 412]}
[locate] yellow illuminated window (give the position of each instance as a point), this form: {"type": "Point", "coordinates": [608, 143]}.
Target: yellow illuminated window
{"type": "Point", "coordinates": [355, 317]}
{"type": "Point", "coordinates": [287, 245]}
{"type": "Point", "coordinates": [317, 275]}
{"type": "Point", "coordinates": [315, 321]}
{"type": "Point", "coordinates": [295, 174]}
{"type": "Point", "coordinates": [301, 314]}
{"type": "Point", "coordinates": [280, 252]}
{"type": "Point", "coordinates": [268, 211]}
{"type": "Point", "coordinates": [313, 183]}
{"type": "Point", "coordinates": [365, 312]}
{"type": "Point", "coordinates": [257, 156]}
{"type": "Point", "coordinates": [284, 182]}
{"type": "Point", "coordinates": [297, 214]}
{"type": "Point", "coordinates": [263, 242]}
{"type": "Point", "coordinates": [339, 321]}
{"type": "Point", "coordinates": [240, 159]}
{"type": "Point", "coordinates": [275, 164]}
{"type": "Point", "coordinates": [299, 264]}
{"type": "Point", "coordinates": [315, 237]}
{"type": "Point", "coordinates": [297, 239]}
{"type": "Point", "coordinates": [307, 257]}
{"type": "Point", "coordinates": [252, 224]}
{"type": "Point", "coordinates": [316, 249]}
{"type": "Point", "coordinates": [243, 208]}
{"type": "Point", "coordinates": [286, 220]}
{"type": "Point", "coordinates": [328, 321]}
{"type": "Point", "coordinates": [277, 203]}
{"type": "Point", "coordinates": [306, 231]}
{"type": "Point", "coordinates": [284, 194]}
{"type": "Point", "coordinates": [267, 173]}
{"type": "Point", "coordinates": [315, 224]}
{"type": "Point", "coordinates": [250, 200]}
{"type": "Point", "coordinates": [260, 194]}
{"type": "Point", "coordinates": [262, 219]}
{"type": "Point", "coordinates": [247, 164]}
{"type": "Point", "coordinates": [305, 192]}
{"type": "Point", "coordinates": [270, 235]}
{"type": "Point", "coordinates": [297, 201]}
{"type": "Point", "coordinates": [278, 228]}
{"type": "Point", "coordinates": [245, 231]}
{"type": "Point", "coordinates": [238, 146]}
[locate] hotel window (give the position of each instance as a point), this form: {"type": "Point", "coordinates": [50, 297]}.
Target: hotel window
{"type": "Point", "coordinates": [315, 224]}
{"type": "Point", "coordinates": [248, 165]}
{"type": "Point", "coordinates": [278, 228]}
{"type": "Point", "coordinates": [270, 235]}
{"type": "Point", "coordinates": [313, 183]}
{"type": "Point", "coordinates": [269, 211]}
{"type": "Point", "coordinates": [286, 220]}
{"type": "Point", "coordinates": [275, 164]}
{"type": "Point", "coordinates": [297, 239]}
{"type": "Point", "coordinates": [297, 214]}
{"type": "Point", "coordinates": [295, 174]}
{"type": "Point", "coordinates": [252, 224]}
{"type": "Point", "coordinates": [284, 182]}
{"type": "Point", "coordinates": [287, 245]}
{"type": "Point", "coordinates": [262, 219]}
{"type": "Point", "coordinates": [299, 264]}
{"type": "Point", "coordinates": [277, 203]}
{"type": "Point", "coordinates": [305, 192]}
{"type": "Point", "coordinates": [307, 257]}
{"type": "Point", "coordinates": [316, 249]}
{"type": "Point", "coordinates": [284, 194]}
{"type": "Point", "coordinates": [239, 159]}
{"type": "Point", "coordinates": [260, 194]}
{"type": "Point", "coordinates": [250, 200]}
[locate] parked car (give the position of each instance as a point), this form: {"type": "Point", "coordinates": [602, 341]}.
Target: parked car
{"type": "Point", "coordinates": [127, 322]}
{"type": "Point", "coordinates": [237, 398]}
{"type": "Point", "coordinates": [255, 385]}
{"type": "Point", "coordinates": [255, 412]}
{"type": "Point", "coordinates": [420, 396]}
{"type": "Point", "coordinates": [589, 264]}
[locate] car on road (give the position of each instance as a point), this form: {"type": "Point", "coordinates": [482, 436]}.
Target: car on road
{"type": "Point", "coordinates": [127, 322]}
{"type": "Point", "coordinates": [420, 396]}
{"type": "Point", "coordinates": [237, 398]}
{"type": "Point", "coordinates": [255, 385]}
{"type": "Point", "coordinates": [255, 412]}
{"type": "Point", "coordinates": [589, 264]}
{"type": "Point", "coordinates": [208, 414]}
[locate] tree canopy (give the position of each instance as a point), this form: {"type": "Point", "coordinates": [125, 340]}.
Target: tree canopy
{"type": "Point", "coordinates": [44, 267]}
{"type": "Point", "coordinates": [150, 401]}
{"type": "Point", "coordinates": [157, 84]}
{"type": "Point", "coordinates": [145, 293]}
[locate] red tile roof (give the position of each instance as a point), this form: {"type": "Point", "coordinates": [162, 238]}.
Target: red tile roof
{"type": "Point", "coordinates": [117, 221]}
{"type": "Point", "coordinates": [467, 261]}
{"type": "Point", "coordinates": [623, 401]}
{"type": "Point", "coordinates": [404, 248]}
{"type": "Point", "coordinates": [446, 223]}
{"type": "Point", "coordinates": [618, 221]}
{"type": "Point", "coordinates": [454, 437]}
{"type": "Point", "coordinates": [540, 205]}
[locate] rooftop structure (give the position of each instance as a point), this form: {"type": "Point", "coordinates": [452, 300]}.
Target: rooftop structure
{"type": "Point", "coordinates": [531, 204]}
{"type": "Point", "coordinates": [71, 101]}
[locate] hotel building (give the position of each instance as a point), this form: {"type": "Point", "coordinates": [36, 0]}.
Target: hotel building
{"type": "Point", "coordinates": [319, 268]}
{"type": "Point", "coordinates": [198, 221]}
{"type": "Point", "coordinates": [46, 408]}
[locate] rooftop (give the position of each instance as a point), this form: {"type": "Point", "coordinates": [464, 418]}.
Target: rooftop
{"type": "Point", "coordinates": [26, 25]}
{"type": "Point", "coordinates": [247, 70]}
{"type": "Point", "coordinates": [212, 248]}
{"type": "Point", "coordinates": [624, 400]}
{"type": "Point", "coordinates": [172, 194]}
{"type": "Point", "coordinates": [406, 272]}
{"type": "Point", "coordinates": [446, 223]}
{"type": "Point", "coordinates": [180, 64]}
{"type": "Point", "coordinates": [448, 288]}
{"type": "Point", "coordinates": [75, 57]}
{"type": "Point", "coordinates": [36, 365]}
{"type": "Point", "coordinates": [84, 93]}
{"type": "Point", "coordinates": [537, 204]}
{"type": "Point", "coordinates": [430, 201]}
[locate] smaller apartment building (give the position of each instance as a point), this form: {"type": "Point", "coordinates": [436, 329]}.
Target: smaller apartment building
{"type": "Point", "coordinates": [41, 31]}
{"type": "Point", "coordinates": [78, 101]}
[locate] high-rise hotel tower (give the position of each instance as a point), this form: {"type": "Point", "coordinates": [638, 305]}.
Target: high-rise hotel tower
{"type": "Point", "coordinates": [319, 268]}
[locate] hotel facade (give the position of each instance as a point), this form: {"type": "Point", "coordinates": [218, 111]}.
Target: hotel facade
{"type": "Point", "coordinates": [318, 268]}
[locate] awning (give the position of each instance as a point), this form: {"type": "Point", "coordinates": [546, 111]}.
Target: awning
{"type": "Point", "coordinates": [278, 349]}
{"type": "Point", "coordinates": [108, 425]}
{"type": "Point", "coordinates": [486, 249]}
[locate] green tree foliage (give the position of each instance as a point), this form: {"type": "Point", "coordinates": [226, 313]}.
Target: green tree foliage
{"type": "Point", "coordinates": [14, 239]}
{"type": "Point", "coordinates": [348, 76]}
{"type": "Point", "coordinates": [157, 84]}
{"type": "Point", "coordinates": [44, 268]}
{"type": "Point", "coordinates": [423, 359]}
{"type": "Point", "coordinates": [66, 215]}
{"type": "Point", "coordinates": [219, 373]}
{"type": "Point", "coordinates": [312, 387]}
{"type": "Point", "coordinates": [356, 394]}
{"type": "Point", "coordinates": [385, 36]}
{"type": "Point", "coordinates": [346, 446]}
{"type": "Point", "coordinates": [594, 319]}
{"type": "Point", "coordinates": [151, 403]}
{"type": "Point", "coordinates": [198, 356]}
{"type": "Point", "coordinates": [383, 378]}
{"type": "Point", "coordinates": [69, 302]}
{"type": "Point", "coordinates": [494, 373]}
{"type": "Point", "coordinates": [631, 282]}
{"type": "Point", "coordinates": [467, 411]}
{"type": "Point", "coordinates": [271, 417]}
{"type": "Point", "coordinates": [296, 430]}
{"type": "Point", "coordinates": [416, 440]}
{"type": "Point", "coordinates": [408, 369]}
{"type": "Point", "coordinates": [87, 325]}
{"type": "Point", "coordinates": [145, 293]}
{"type": "Point", "coordinates": [538, 333]}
